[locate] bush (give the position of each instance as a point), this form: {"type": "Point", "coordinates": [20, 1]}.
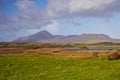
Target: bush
{"type": "Point", "coordinates": [95, 54]}
{"type": "Point", "coordinates": [114, 56]}
{"type": "Point", "coordinates": [55, 51]}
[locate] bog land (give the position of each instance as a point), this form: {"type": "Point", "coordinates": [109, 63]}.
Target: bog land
{"type": "Point", "coordinates": [26, 63]}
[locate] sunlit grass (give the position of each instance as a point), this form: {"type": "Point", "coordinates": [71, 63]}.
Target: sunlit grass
{"type": "Point", "coordinates": [47, 68]}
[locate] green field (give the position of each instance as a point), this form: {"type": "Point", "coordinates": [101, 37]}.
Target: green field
{"type": "Point", "coordinates": [47, 68]}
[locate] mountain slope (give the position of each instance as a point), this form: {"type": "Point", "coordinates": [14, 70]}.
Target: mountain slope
{"type": "Point", "coordinates": [42, 35]}
{"type": "Point", "coordinates": [46, 37]}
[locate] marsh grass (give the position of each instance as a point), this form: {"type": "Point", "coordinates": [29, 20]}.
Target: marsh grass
{"type": "Point", "coordinates": [47, 68]}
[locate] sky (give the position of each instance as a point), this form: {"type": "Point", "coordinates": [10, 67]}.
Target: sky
{"type": "Point", "coordinates": [60, 17]}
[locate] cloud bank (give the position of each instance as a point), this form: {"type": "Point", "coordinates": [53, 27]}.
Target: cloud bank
{"type": "Point", "coordinates": [30, 16]}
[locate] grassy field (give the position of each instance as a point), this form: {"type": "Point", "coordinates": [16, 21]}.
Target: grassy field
{"type": "Point", "coordinates": [49, 68]}
{"type": "Point", "coordinates": [57, 64]}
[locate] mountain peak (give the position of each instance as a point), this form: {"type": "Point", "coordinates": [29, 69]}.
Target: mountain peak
{"type": "Point", "coordinates": [43, 32]}
{"type": "Point", "coordinates": [45, 36]}
{"type": "Point", "coordinates": [42, 35]}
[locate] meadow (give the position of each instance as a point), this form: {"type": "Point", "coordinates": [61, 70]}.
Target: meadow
{"type": "Point", "coordinates": [48, 68]}
{"type": "Point", "coordinates": [56, 64]}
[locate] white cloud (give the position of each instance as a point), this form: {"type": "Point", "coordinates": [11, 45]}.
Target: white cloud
{"type": "Point", "coordinates": [29, 15]}
{"type": "Point", "coordinates": [53, 27]}
{"type": "Point", "coordinates": [61, 8]}
{"type": "Point", "coordinates": [79, 5]}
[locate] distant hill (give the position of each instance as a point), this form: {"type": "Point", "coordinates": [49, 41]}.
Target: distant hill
{"type": "Point", "coordinates": [42, 35]}
{"type": "Point", "coordinates": [46, 37]}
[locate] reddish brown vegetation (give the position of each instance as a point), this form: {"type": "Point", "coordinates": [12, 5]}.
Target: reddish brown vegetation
{"type": "Point", "coordinates": [95, 54]}
{"type": "Point", "coordinates": [114, 56]}
{"type": "Point", "coordinates": [57, 53]}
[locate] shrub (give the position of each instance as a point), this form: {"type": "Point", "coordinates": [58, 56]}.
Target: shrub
{"type": "Point", "coordinates": [95, 54]}
{"type": "Point", "coordinates": [55, 51]}
{"type": "Point", "coordinates": [114, 56]}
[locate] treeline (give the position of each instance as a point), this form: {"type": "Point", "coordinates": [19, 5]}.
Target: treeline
{"type": "Point", "coordinates": [32, 45]}
{"type": "Point", "coordinates": [101, 44]}
{"type": "Point", "coordinates": [55, 45]}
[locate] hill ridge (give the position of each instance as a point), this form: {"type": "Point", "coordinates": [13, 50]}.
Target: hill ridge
{"type": "Point", "coordinates": [46, 37]}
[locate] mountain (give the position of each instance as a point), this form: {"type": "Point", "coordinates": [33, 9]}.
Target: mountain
{"type": "Point", "coordinates": [42, 35]}
{"type": "Point", "coordinates": [46, 37]}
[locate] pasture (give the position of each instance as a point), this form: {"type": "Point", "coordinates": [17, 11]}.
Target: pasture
{"type": "Point", "coordinates": [48, 68]}
{"type": "Point", "coordinates": [28, 61]}
{"type": "Point", "coordinates": [56, 64]}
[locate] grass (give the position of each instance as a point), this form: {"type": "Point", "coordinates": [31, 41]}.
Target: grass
{"type": "Point", "coordinates": [48, 68]}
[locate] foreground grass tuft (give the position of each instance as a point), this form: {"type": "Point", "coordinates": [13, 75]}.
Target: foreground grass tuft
{"type": "Point", "coordinates": [45, 68]}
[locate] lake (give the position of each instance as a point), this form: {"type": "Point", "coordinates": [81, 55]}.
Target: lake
{"type": "Point", "coordinates": [94, 48]}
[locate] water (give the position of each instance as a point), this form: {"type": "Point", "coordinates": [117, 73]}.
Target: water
{"type": "Point", "coordinates": [95, 48]}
